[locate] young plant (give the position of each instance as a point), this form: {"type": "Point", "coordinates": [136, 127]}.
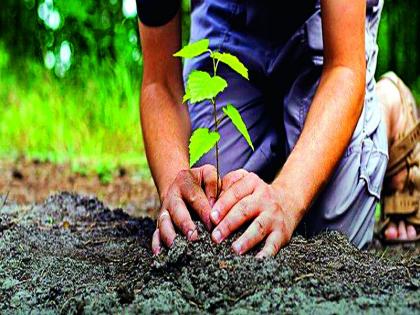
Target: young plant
{"type": "Point", "coordinates": [202, 86]}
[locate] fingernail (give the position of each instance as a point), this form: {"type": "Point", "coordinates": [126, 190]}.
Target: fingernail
{"type": "Point", "coordinates": [215, 216]}
{"type": "Point", "coordinates": [172, 243]}
{"type": "Point", "coordinates": [217, 236]}
{"type": "Point", "coordinates": [156, 251]}
{"type": "Point", "coordinates": [236, 248]}
{"type": "Point", "coordinates": [192, 235]}
{"type": "Point", "coordinates": [260, 256]}
{"type": "Point", "coordinates": [189, 234]}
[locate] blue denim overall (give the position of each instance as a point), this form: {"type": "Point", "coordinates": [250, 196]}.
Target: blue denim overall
{"type": "Point", "coordinates": [283, 50]}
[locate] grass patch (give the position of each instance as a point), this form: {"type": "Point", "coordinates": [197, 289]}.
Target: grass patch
{"type": "Point", "coordinates": [90, 119]}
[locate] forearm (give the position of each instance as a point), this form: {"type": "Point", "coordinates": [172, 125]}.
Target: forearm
{"type": "Point", "coordinates": [335, 109]}
{"type": "Point", "coordinates": [329, 126]}
{"type": "Point", "coordinates": [166, 130]}
{"type": "Point", "coordinates": [164, 119]}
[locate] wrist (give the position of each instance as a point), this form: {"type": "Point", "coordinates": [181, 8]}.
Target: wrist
{"type": "Point", "coordinates": [162, 191]}
{"type": "Point", "coordinates": [290, 201]}
{"type": "Point", "coordinates": [165, 183]}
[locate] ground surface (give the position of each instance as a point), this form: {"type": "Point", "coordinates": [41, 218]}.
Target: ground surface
{"type": "Point", "coordinates": [29, 181]}
{"type": "Point", "coordinates": [71, 254]}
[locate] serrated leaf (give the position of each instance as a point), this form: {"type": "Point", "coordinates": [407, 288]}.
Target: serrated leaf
{"type": "Point", "coordinates": [237, 120]}
{"type": "Point", "coordinates": [201, 86]}
{"type": "Point", "coordinates": [233, 62]}
{"type": "Point", "coordinates": [187, 96]}
{"type": "Point", "coordinates": [194, 49]}
{"type": "Point", "coordinates": [201, 142]}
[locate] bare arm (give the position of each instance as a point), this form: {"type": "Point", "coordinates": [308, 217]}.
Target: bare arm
{"type": "Point", "coordinates": [164, 119]}
{"type": "Point", "coordinates": [277, 208]}
{"type": "Point", "coordinates": [166, 130]}
{"type": "Point", "coordinates": [336, 106]}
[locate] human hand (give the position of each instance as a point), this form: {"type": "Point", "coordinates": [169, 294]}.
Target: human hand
{"type": "Point", "coordinates": [195, 189]}
{"type": "Point", "coordinates": [246, 197]}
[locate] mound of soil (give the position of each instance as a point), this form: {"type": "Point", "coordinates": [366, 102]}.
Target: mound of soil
{"type": "Point", "coordinates": [72, 254]}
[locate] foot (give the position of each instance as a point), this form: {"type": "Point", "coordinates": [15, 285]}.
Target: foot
{"type": "Point", "coordinates": [396, 122]}
{"type": "Point", "coordinates": [402, 232]}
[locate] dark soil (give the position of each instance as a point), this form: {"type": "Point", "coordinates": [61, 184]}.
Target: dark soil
{"type": "Point", "coordinates": [72, 254]}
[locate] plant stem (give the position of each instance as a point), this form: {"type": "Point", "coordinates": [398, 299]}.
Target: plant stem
{"type": "Point", "coordinates": [216, 128]}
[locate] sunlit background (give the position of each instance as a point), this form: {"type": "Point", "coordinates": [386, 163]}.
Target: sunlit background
{"type": "Point", "coordinates": [70, 74]}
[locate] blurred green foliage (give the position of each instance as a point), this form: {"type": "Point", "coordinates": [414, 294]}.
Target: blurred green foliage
{"type": "Point", "coordinates": [70, 75]}
{"type": "Point", "coordinates": [70, 33]}
{"type": "Point", "coordinates": [399, 41]}
{"type": "Point", "coordinates": [69, 80]}
{"type": "Point", "coordinates": [73, 34]}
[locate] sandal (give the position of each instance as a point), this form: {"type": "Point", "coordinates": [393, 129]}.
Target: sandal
{"type": "Point", "coordinates": [404, 153]}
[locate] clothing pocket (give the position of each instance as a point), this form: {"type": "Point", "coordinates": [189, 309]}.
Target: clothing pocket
{"type": "Point", "coordinates": [373, 164]}
{"type": "Point", "coordinates": [363, 162]}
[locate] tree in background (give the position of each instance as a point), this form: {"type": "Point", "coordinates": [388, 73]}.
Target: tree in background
{"type": "Point", "coordinates": [68, 34]}
{"type": "Point", "coordinates": [399, 44]}
{"type": "Point", "coordinates": [71, 33]}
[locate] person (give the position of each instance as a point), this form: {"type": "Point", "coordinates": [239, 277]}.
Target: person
{"type": "Point", "coordinates": [320, 127]}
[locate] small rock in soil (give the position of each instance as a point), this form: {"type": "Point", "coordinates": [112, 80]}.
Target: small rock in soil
{"type": "Point", "coordinates": [17, 174]}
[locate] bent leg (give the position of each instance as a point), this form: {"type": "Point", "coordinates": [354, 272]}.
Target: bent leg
{"type": "Point", "coordinates": [400, 115]}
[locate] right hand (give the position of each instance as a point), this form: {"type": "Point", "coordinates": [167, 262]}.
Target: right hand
{"type": "Point", "coordinates": [195, 189]}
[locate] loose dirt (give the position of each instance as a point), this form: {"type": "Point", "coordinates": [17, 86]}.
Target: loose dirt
{"type": "Point", "coordinates": [71, 254]}
{"type": "Point", "coordinates": [29, 181]}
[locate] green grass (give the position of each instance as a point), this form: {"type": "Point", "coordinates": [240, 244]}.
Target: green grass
{"type": "Point", "coordinates": [90, 120]}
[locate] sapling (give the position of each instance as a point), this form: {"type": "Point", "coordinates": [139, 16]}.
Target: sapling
{"type": "Point", "coordinates": [202, 86]}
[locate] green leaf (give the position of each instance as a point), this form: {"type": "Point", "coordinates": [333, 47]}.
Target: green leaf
{"type": "Point", "coordinates": [201, 142]}
{"type": "Point", "coordinates": [237, 120]}
{"type": "Point", "coordinates": [186, 96]}
{"type": "Point", "coordinates": [233, 62]}
{"type": "Point", "coordinates": [201, 86]}
{"type": "Point", "coordinates": [194, 49]}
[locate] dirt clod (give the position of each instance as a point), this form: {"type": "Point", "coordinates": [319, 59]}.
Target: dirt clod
{"type": "Point", "coordinates": [72, 254]}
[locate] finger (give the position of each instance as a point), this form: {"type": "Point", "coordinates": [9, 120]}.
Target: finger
{"type": "Point", "coordinates": [272, 245]}
{"type": "Point", "coordinates": [391, 232]}
{"type": "Point", "coordinates": [156, 246]}
{"type": "Point", "coordinates": [182, 218]}
{"type": "Point", "coordinates": [210, 180]}
{"type": "Point", "coordinates": [166, 228]}
{"type": "Point", "coordinates": [253, 235]}
{"type": "Point", "coordinates": [195, 197]}
{"type": "Point", "coordinates": [402, 231]}
{"type": "Point", "coordinates": [237, 191]}
{"type": "Point", "coordinates": [411, 232]}
{"type": "Point", "coordinates": [232, 177]}
{"type": "Point", "coordinates": [242, 212]}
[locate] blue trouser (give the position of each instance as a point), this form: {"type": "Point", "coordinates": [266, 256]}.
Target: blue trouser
{"type": "Point", "coordinates": [283, 51]}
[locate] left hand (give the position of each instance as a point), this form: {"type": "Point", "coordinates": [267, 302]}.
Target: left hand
{"type": "Point", "coordinates": [245, 197]}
